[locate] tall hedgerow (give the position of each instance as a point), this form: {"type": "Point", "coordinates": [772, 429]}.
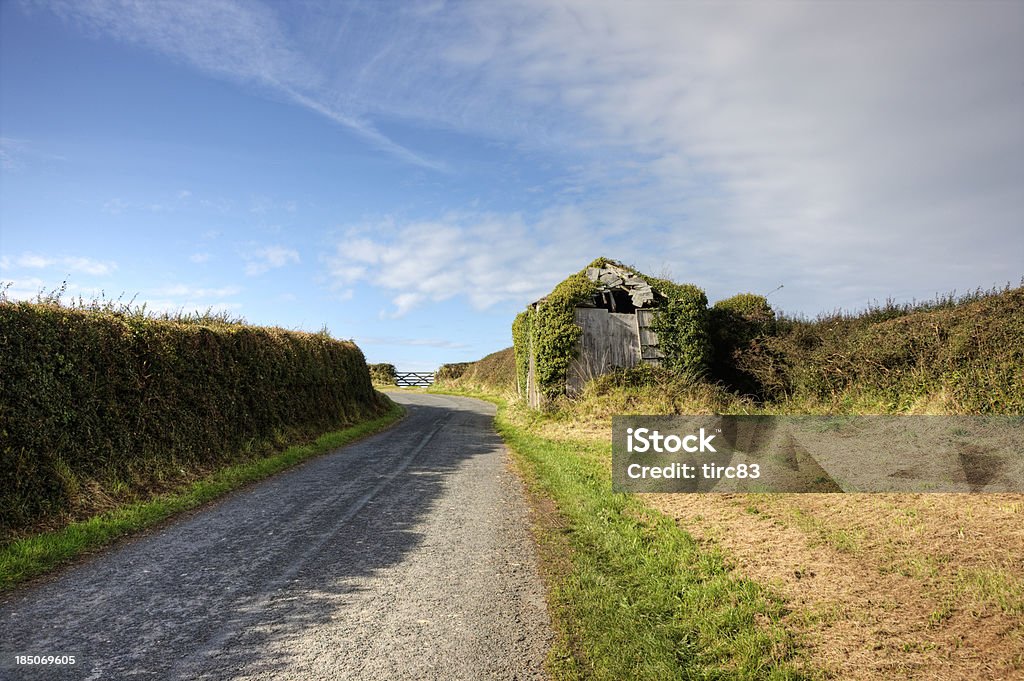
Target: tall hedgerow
{"type": "Point", "coordinates": [681, 322]}
{"type": "Point", "coordinates": [951, 356]}
{"type": "Point", "coordinates": [735, 323]}
{"type": "Point", "coordinates": [120, 398]}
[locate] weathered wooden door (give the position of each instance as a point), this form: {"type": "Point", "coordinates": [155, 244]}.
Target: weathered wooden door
{"type": "Point", "coordinates": [649, 351]}
{"type": "Point", "coordinates": [609, 340]}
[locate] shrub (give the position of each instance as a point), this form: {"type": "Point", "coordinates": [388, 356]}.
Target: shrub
{"type": "Point", "coordinates": [734, 324]}
{"type": "Point", "coordinates": [449, 372]}
{"type": "Point", "coordinates": [681, 323]}
{"type": "Point", "coordinates": [382, 374]}
{"type": "Point", "coordinates": [495, 373]}
{"type": "Point", "coordinates": [969, 355]}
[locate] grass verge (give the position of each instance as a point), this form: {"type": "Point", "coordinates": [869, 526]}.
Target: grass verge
{"type": "Point", "coordinates": [28, 557]}
{"type": "Point", "coordinates": [633, 595]}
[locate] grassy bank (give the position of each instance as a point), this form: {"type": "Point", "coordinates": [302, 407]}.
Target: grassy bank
{"type": "Point", "coordinates": [34, 555]}
{"type": "Point", "coordinates": [912, 586]}
{"type": "Point", "coordinates": [632, 595]}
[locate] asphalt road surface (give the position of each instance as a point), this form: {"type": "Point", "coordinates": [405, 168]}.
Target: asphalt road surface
{"type": "Point", "coordinates": [404, 556]}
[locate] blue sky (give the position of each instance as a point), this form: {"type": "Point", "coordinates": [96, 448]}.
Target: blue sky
{"type": "Point", "coordinates": [412, 174]}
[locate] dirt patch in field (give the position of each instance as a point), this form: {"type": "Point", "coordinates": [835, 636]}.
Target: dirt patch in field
{"type": "Point", "coordinates": [884, 585]}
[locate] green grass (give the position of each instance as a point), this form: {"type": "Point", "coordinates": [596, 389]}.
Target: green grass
{"type": "Point", "coordinates": [38, 554]}
{"type": "Point", "coordinates": [632, 595]}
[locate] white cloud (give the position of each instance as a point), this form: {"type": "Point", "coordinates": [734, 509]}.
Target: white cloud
{"type": "Point", "coordinates": [884, 139]}
{"type": "Point", "coordinates": [238, 41]}
{"type": "Point", "coordinates": [847, 151]}
{"type": "Point", "coordinates": [68, 263]}
{"type": "Point", "coordinates": [115, 206]}
{"type": "Point", "coordinates": [410, 342]}
{"type": "Point", "coordinates": [200, 258]}
{"type": "Point", "coordinates": [265, 259]}
{"type": "Point", "coordinates": [10, 150]}
{"type": "Point", "coordinates": [186, 305]}
{"type": "Point", "coordinates": [89, 266]}
{"type": "Point", "coordinates": [23, 288]}
{"type": "Point", "coordinates": [196, 292]}
{"type": "Point", "coordinates": [188, 298]}
{"type": "Point", "coordinates": [33, 261]}
{"type": "Point", "coordinates": [484, 258]}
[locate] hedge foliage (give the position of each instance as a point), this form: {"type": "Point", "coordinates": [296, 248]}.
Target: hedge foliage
{"type": "Point", "coordinates": [382, 374]}
{"type": "Point", "coordinates": [450, 372]}
{"type": "Point", "coordinates": [92, 396]}
{"type": "Point", "coordinates": [522, 329]}
{"type": "Point", "coordinates": [966, 356]}
{"type": "Point", "coordinates": [555, 333]}
{"type": "Point", "coordinates": [681, 323]}
{"type": "Point", "coordinates": [734, 324]}
{"type": "Point", "coordinates": [495, 373]}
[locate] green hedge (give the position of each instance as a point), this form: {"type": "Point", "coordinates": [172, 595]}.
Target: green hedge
{"type": "Point", "coordinates": [522, 329]}
{"type": "Point", "coordinates": [383, 374]}
{"type": "Point", "coordinates": [450, 372]}
{"type": "Point", "coordinates": [495, 373]}
{"type": "Point", "coordinates": [681, 323]}
{"type": "Point", "coordinates": [734, 324]}
{"type": "Point", "coordinates": [94, 396]}
{"type": "Point", "coordinates": [966, 356]}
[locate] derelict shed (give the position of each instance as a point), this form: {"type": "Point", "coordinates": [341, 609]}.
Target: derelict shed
{"type": "Point", "coordinates": [614, 324]}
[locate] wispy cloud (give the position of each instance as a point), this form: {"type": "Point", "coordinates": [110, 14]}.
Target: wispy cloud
{"type": "Point", "coordinates": [199, 258]}
{"type": "Point", "coordinates": [9, 152]}
{"type": "Point", "coordinates": [849, 152]}
{"type": "Point", "coordinates": [242, 42]}
{"type": "Point", "coordinates": [23, 288]}
{"type": "Point", "coordinates": [67, 263]}
{"type": "Point", "coordinates": [812, 137]}
{"type": "Point", "coordinates": [262, 205]}
{"type": "Point", "coordinates": [845, 150]}
{"type": "Point", "coordinates": [198, 292]}
{"type": "Point", "coordinates": [15, 153]}
{"type": "Point", "coordinates": [186, 297]}
{"type": "Point", "coordinates": [261, 260]}
{"type": "Point", "coordinates": [410, 342]}
{"type": "Point", "coordinates": [484, 258]}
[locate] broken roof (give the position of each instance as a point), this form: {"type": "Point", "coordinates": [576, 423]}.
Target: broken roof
{"type": "Point", "coordinates": [611, 277]}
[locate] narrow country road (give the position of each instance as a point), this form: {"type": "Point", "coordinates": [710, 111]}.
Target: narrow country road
{"type": "Point", "coordinates": [403, 556]}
